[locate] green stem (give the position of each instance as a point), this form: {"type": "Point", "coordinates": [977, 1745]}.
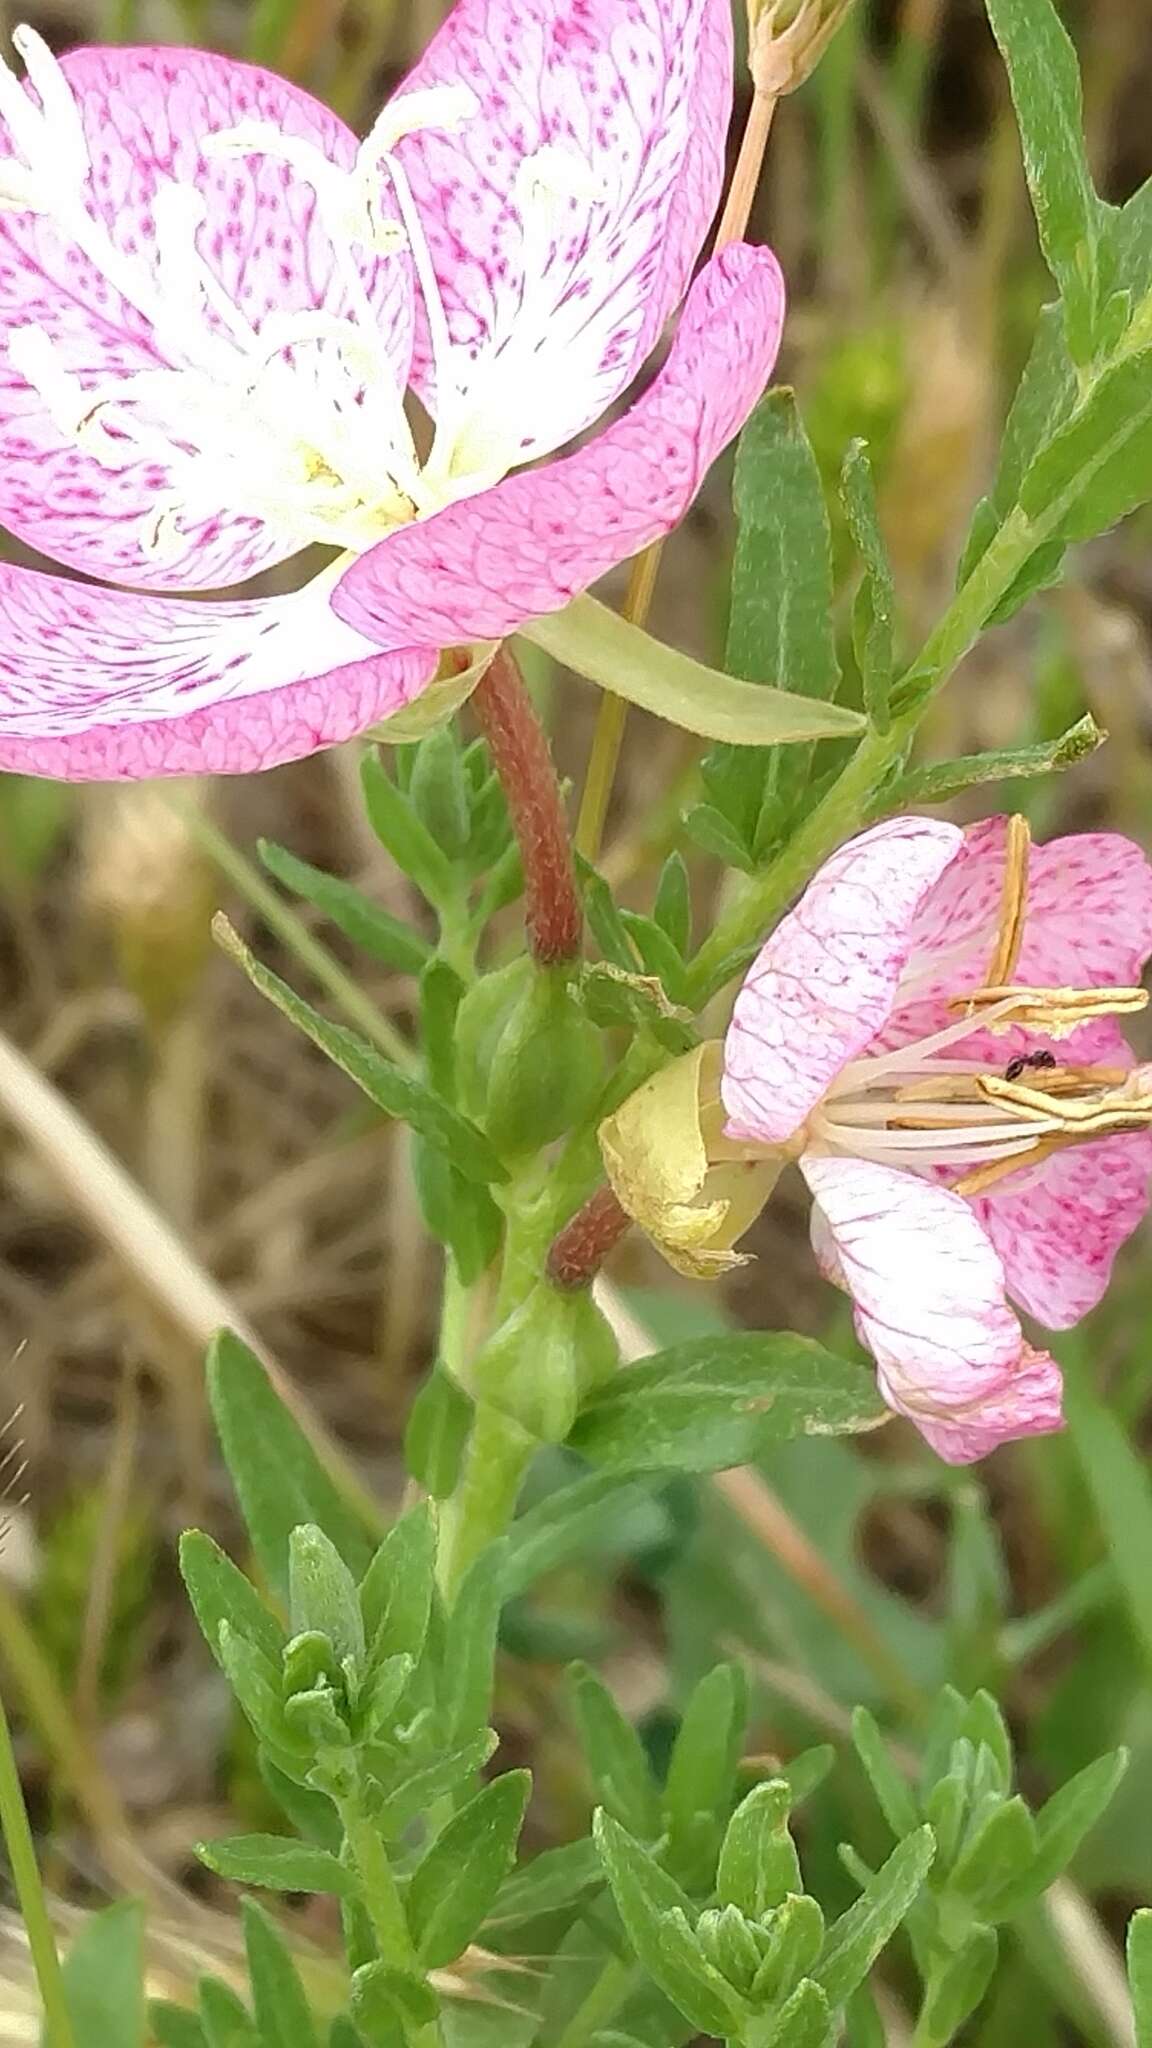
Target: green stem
{"type": "Point", "coordinates": [485, 1499]}
{"type": "Point", "coordinates": [384, 1906]}
{"type": "Point", "coordinates": [846, 804]}
{"type": "Point", "coordinates": [603, 2002]}
{"type": "Point", "coordinates": [30, 1892]}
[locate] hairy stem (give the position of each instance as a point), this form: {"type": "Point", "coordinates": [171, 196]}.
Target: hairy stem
{"type": "Point", "coordinates": [485, 1499]}
{"type": "Point", "coordinates": [523, 761]}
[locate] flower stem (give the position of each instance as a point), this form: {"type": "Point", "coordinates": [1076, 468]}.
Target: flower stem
{"type": "Point", "coordinates": [30, 1893]}
{"type": "Point", "coordinates": [485, 1498]}
{"type": "Point", "coordinates": [523, 762]}
{"type": "Point", "coordinates": [609, 734]}
{"type": "Point", "coordinates": [384, 1905]}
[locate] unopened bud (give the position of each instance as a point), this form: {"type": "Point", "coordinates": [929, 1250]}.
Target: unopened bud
{"type": "Point", "coordinates": [692, 1189]}
{"type": "Point", "coordinates": [547, 1068]}
{"type": "Point", "coordinates": [733, 1946]}
{"type": "Point", "coordinates": [787, 38]}
{"type": "Point", "coordinates": [543, 1362]}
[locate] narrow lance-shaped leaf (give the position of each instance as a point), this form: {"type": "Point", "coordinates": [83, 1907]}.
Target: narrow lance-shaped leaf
{"type": "Point", "coordinates": [396, 1093]}
{"type": "Point", "coordinates": [1045, 81]}
{"type": "Point", "coordinates": [220, 1592]}
{"type": "Point", "coordinates": [874, 614]}
{"type": "Point", "coordinates": [856, 1939]}
{"type": "Point", "coordinates": [282, 2014]}
{"type": "Point", "coordinates": [658, 1920]}
{"type": "Point", "coordinates": [780, 624]}
{"type": "Point", "coordinates": [457, 1880]}
{"type": "Point", "coordinates": [615, 1755]}
{"type": "Point", "coordinates": [394, 944]}
{"type": "Point", "coordinates": [939, 780]}
{"type": "Point", "coordinates": [1140, 1973]}
{"type": "Point", "coordinates": [103, 1974]}
{"type": "Point", "coordinates": [702, 1771]}
{"type": "Point", "coordinates": [277, 1475]}
{"type": "Point", "coordinates": [278, 1863]}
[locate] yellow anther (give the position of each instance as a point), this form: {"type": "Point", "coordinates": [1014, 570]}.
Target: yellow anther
{"type": "Point", "coordinates": [1013, 902]}
{"type": "Point", "coordinates": [1054, 1011]}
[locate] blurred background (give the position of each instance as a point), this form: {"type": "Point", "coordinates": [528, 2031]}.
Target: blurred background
{"type": "Point", "coordinates": [173, 1156]}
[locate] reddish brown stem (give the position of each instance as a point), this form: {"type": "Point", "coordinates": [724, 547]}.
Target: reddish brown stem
{"type": "Point", "coordinates": [583, 1245]}
{"type": "Point", "coordinates": [522, 760]}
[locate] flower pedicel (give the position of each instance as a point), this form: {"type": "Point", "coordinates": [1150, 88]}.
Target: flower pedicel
{"type": "Point", "coordinates": [931, 1036]}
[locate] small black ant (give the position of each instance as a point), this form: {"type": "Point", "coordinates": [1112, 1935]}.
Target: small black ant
{"type": "Point", "coordinates": [1015, 1068]}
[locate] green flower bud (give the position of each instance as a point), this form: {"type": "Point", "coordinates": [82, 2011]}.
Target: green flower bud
{"type": "Point", "coordinates": [480, 1021]}
{"type": "Point", "coordinates": [547, 1067]}
{"type": "Point", "coordinates": [544, 1360]}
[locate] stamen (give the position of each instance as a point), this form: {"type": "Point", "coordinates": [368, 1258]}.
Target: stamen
{"type": "Point", "coordinates": [1013, 902]}
{"type": "Point", "coordinates": [1053, 1011]}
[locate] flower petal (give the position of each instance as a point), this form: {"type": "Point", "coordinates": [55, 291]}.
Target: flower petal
{"type": "Point", "coordinates": [1059, 1228]}
{"type": "Point", "coordinates": [636, 94]}
{"type": "Point", "coordinates": [929, 1294]}
{"type": "Point", "coordinates": [823, 985]}
{"type": "Point", "coordinates": [145, 114]}
{"type": "Point", "coordinates": [478, 569]}
{"type": "Point", "coordinates": [104, 685]}
{"type": "Point", "coordinates": [1088, 920]}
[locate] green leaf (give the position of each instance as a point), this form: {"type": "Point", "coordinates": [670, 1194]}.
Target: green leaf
{"type": "Point", "coordinates": [322, 1597]}
{"type": "Point", "coordinates": [396, 1590]}
{"type": "Point", "coordinates": [173, 2026]}
{"type": "Point", "coordinates": [702, 1773]}
{"type": "Point", "coordinates": [389, 2005]}
{"type": "Point", "coordinates": [805, 2022]}
{"type": "Point", "coordinates": [384, 937]}
{"type": "Point", "coordinates": [658, 1919]}
{"type": "Point", "coordinates": [441, 993]}
{"type": "Point", "coordinates": [1045, 397]}
{"type": "Point", "coordinates": [939, 781]}
{"type": "Point", "coordinates": [795, 1939]}
{"type": "Point", "coordinates": [758, 1862]}
{"type": "Point", "coordinates": [893, 1792]}
{"type": "Point", "coordinates": [552, 1882]}
{"type": "Point", "coordinates": [437, 1429]}
{"type": "Point", "coordinates": [470, 1646]}
{"type": "Point", "coordinates": [621, 657]}
{"type": "Point", "coordinates": [397, 827]}
{"type": "Point", "coordinates": [956, 1990]}
{"type": "Point", "coordinates": [311, 1813]}
{"type": "Point", "coordinates": [672, 907]}
{"type": "Point", "coordinates": [615, 1755]}
{"type": "Point", "coordinates": [1001, 1850]}
{"type": "Point", "coordinates": [577, 1521]}
{"type": "Point", "coordinates": [225, 2018]}
{"type": "Point", "coordinates": [219, 1591]}
{"type": "Point", "coordinates": [438, 791]}
{"type": "Point", "coordinates": [279, 1863]}
{"type": "Point", "coordinates": [103, 1974]}
{"type": "Point", "coordinates": [282, 2013]}
{"type": "Point", "coordinates": [1067, 1818]}
{"type": "Point", "coordinates": [278, 1477]}
{"type": "Point", "coordinates": [1140, 1973]}
{"type": "Point", "coordinates": [780, 627]}
{"type": "Point", "coordinates": [415, 1791]}
{"type": "Point", "coordinates": [455, 1884]}
{"type": "Point", "coordinates": [856, 1939]}
{"type": "Point", "coordinates": [719, 1400]}
{"type": "Point", "coordinates": [256, 1684]}
{"type": "Point", "coordinates": [874, 614]}
{"type": "Point", "coordinates": [1098, 466]}
{"type": "Point", "coordinates": [1045, 81]}
{"type": "Point", "coordinates": [396, 1093]}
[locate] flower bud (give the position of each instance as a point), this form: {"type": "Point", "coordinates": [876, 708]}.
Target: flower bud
{"type": "Point", "coordinates": [542, 1363]}
{"type": "Point", "coordinates": [787, 38]}
{"type": "Point", "coordinates": [692, 1189]}
{"type": "Point", "coordinates": [480, 1020]}
{"type": "Point", "coordinates": [547, 1067]}
{"type": "Point", "coordinates": [731, 1944]}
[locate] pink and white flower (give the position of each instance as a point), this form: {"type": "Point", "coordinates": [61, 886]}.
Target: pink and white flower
{"type": "Point", "coordinates": [212, 303]}
{"type": "Point", "coordinates": [931, 1035]}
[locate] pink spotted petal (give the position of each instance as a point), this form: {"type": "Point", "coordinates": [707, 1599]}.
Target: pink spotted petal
{"type": "Point", "coordinates": [1089, 917]}
{"type": "Point", "coordinates": [928, 1288]}
{"type": "Point", "coordinates": [479, 569]}
{"type": "Point", "coordinates": [1059, 1228]}
{"type": "Point", "coordinates": [145, 113]}
{"type": "Point", "coordinates": [638, 93]}
{"type": "Point", "coordinates": [823, 985]}
{"type": "Point", "coordinates": [103, 685]}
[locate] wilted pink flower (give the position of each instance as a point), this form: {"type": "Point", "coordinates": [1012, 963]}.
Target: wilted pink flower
{"type": "Point", "coordinates": [953, 1166]}
{"type": "Point", "coordinates": [213, 300]}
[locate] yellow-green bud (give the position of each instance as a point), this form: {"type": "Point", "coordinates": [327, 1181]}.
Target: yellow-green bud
{"type": "Point", "coordinates": [547, 1067]}
{"type": "Point", "coordinates": [543, 1362]}
{"type": "Point", "coordinates": [480, 1020]}
{"type": "Point", "coordinates": [733, 1946]}
{"type": "Point", "coordinates": [787, 38]}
